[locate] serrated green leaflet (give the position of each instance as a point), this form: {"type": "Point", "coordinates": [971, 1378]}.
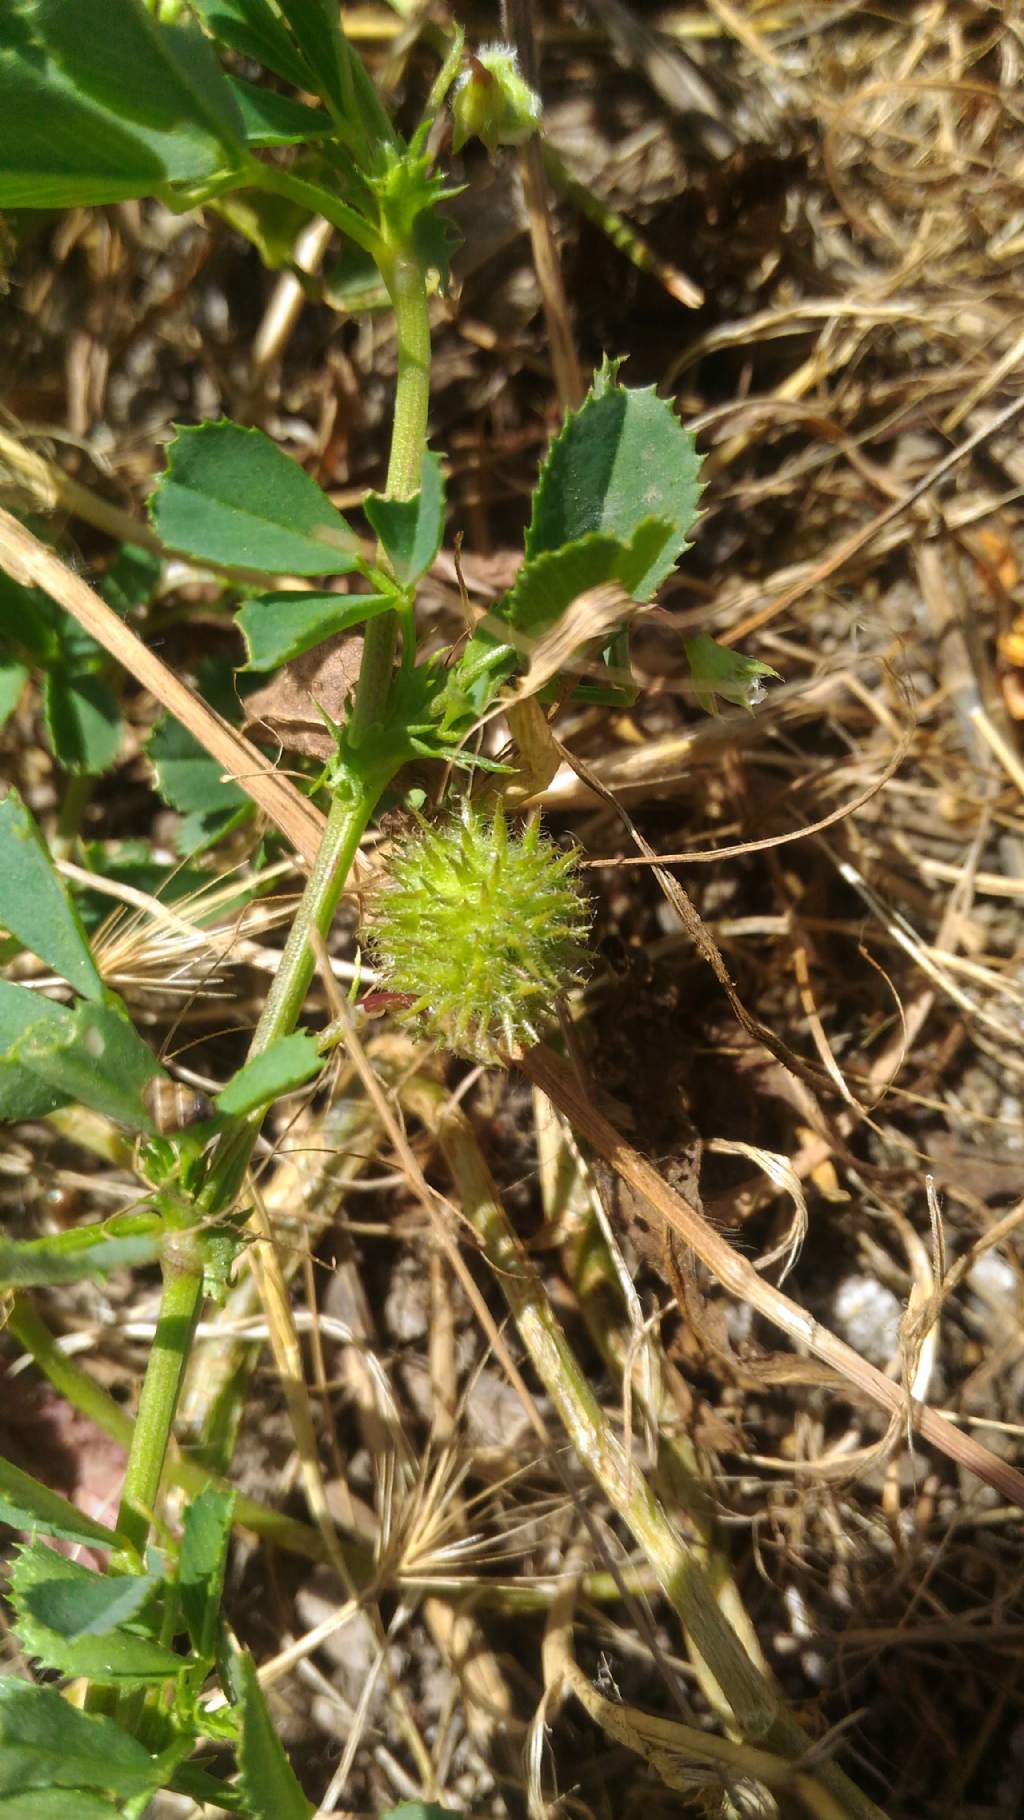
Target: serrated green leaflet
{"type": "Point", "coordinates": [287, 1064]}
{"type": "Point", "coordinates": [26, 1504]}
{"type": "Point", "coordinates": [543, 591]}
{"type": "Point", "coordinates": [33, 1262]}
{"type": "Point", "coordinates": [162, 76]}
{"type": "Point", "coordinates": [28, 622]}
{"type": "Point", "coordinates": [131, 579]}
{"type": "Point", "coordinates": [547, 584]}
{"type": "Point", "coordinates": [315, 26]}
{"type": "Point", "coordinates": [82, 720]}
{"type": "Point", "coordinates": [96, 1057]}
{"type": "Point", "coordinates": [267, 1778]}
{"type": "Point", "coordinates": [623, 457]}
{"type": "Point", "coordinates": [231, 496]}
{"type": "Point", "coordinates": [195, 784]}
{"type": "Point", "coordinates": [34, 905]}
{"type": "Point", "coordinates": [278, 627]}
{"type": "Point", "coordinates": [92, 1607]}
{"type": "Point", "coordinates": [46, 1743]}
{"type": "Point", "coordinates": [119, 1656]}
{"type": "Point", "coordinates": [201, 1564]}
{"type": "Point", "coordinates": [411, 530]}
{"type": "Point", "coordinates": [188, 778]}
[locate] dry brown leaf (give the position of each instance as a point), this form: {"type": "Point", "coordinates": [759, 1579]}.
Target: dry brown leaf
{"type": "Point", "coordinates": [285, 711]}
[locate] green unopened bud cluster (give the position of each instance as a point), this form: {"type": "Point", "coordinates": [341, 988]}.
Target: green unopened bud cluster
{"type": "Point", "coordinates": [493, 102]}
{"type": "Point", "coordinates": [483, 928]}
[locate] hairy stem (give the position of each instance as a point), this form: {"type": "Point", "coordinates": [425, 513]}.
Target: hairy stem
{"type": "Point", "coordinates": [281, 182]}
{"type": "Point", "coordinates": [84, 1394]}
{"type": "Point", "coordinates": [406, 285]}
{"type": "Point", "coordinates": [179, 1312]}
{"type": "Point", "coordinates": [346, 825]}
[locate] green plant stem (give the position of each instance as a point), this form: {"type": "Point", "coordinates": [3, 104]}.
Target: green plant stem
{"type": "Point", "coordinates": [406, 285]}
{"type": "Point", "coordinates": [179, 1311]}
{"type": "Point", "coordinates": [355, 802]}
{"type": "Point", "coordinates": [346, 824]}
{"type": "Point", "coordinates": [78, 794]}
{"type": "Point", "coordinates": [82, 1392]}
{"type": "Point", "coordinates": [281, 182]}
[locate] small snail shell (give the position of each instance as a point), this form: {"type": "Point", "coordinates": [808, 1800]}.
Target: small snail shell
{"type": "Point", "coordinates": [174, 1107]}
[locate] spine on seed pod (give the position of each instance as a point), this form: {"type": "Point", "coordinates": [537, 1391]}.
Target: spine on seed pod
{"type": "Point", "coordinates": [481, 928]}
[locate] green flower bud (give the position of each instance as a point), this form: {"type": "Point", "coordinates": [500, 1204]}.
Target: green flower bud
{"type": "Point", "coordinates": [717, 670]}
{"type": "Point", "coordinates": [482, 928]}
{"type": "Point", "coordinates": [492, 102]}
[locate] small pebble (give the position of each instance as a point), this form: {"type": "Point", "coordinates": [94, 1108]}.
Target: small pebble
{"type": "Point", "coordinates": [868, 1317]}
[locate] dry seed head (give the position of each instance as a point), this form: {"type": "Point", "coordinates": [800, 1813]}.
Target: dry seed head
{"type": "Point", "coordinates": [483, 927]}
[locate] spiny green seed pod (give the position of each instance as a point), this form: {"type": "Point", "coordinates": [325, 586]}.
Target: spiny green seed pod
{"type": "Point", "coordinates": [492, 102]}
{"type": "Point", "coordinates": [482, 928]}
